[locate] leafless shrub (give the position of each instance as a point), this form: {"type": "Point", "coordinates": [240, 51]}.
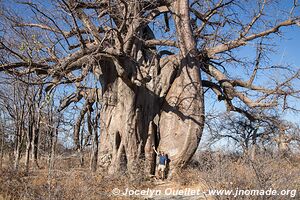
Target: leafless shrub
{"type": "Point", "coordinates": [232, 172]}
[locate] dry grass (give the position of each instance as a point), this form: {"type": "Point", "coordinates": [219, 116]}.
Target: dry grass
{"type": "Point", "coordinates": [212, 170]}
{"type": "Point", "coordinates": [230, 172]}
{"type": "Point", "coordinates": [67, 181]}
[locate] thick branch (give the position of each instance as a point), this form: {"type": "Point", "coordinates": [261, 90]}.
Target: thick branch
{"type": "Point", "coordinates": [153, 43]}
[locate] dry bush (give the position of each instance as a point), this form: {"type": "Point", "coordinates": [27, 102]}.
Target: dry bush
{"type": "Point", "coordinates": [211, 170]}
{"type": "Point", "coordinates": [73, 184]}
{"type": "Point", "coordinates": [66, 181]}
{"type": "Point", "coordinates": [231, 171]}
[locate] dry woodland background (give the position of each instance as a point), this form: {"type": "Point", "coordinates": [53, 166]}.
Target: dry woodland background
{"type": "Point", "coordinates": [87, 87]}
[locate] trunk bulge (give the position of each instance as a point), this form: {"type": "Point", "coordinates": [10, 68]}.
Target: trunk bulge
{"type": "Point", "coordinates": [164, 107]}
{"type": "Point", "coordinates": [182, 119]}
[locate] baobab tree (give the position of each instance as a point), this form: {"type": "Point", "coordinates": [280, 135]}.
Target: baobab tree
{"type": "Point", "coordinates": [151, 61]}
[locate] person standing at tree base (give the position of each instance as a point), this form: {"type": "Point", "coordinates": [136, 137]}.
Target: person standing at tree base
{"type": "Point", "coordinates": [161, 164]}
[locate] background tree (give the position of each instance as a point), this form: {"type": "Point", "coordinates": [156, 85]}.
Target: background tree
{"type": "Point", "coordinates": [151, 61]}
{"type": "Point", "coordinates": [26, 119]}
{"type": "Point", "coordinates": [251, 137]}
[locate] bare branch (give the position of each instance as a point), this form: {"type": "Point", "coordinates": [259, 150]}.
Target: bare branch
{"type": "Point", "coordinates": [243, 41]}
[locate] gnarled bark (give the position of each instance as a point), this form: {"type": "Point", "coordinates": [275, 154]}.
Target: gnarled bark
{"type": "Point", "coordinates": [166, 112]}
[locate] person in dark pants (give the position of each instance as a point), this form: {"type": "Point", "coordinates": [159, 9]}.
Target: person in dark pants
{"type": "Point", "coordinates": [163, 159]}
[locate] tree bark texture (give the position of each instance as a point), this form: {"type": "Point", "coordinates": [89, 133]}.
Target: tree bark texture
{"type": "Point", "coordinates": [167, 111]}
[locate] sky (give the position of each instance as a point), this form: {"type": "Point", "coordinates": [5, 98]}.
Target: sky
{"type": "Point", "coordinates": [288, 52]}
{"type": "Point", "coordinates": [285, 52]}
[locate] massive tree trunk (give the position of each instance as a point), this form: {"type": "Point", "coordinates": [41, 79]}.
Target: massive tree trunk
{"type": "Point", "coordinates": [182, 119]}
{"type": "Point", "coordinates": [165, 110]}
{"type": "Point", "coordinates": [126, 116]}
